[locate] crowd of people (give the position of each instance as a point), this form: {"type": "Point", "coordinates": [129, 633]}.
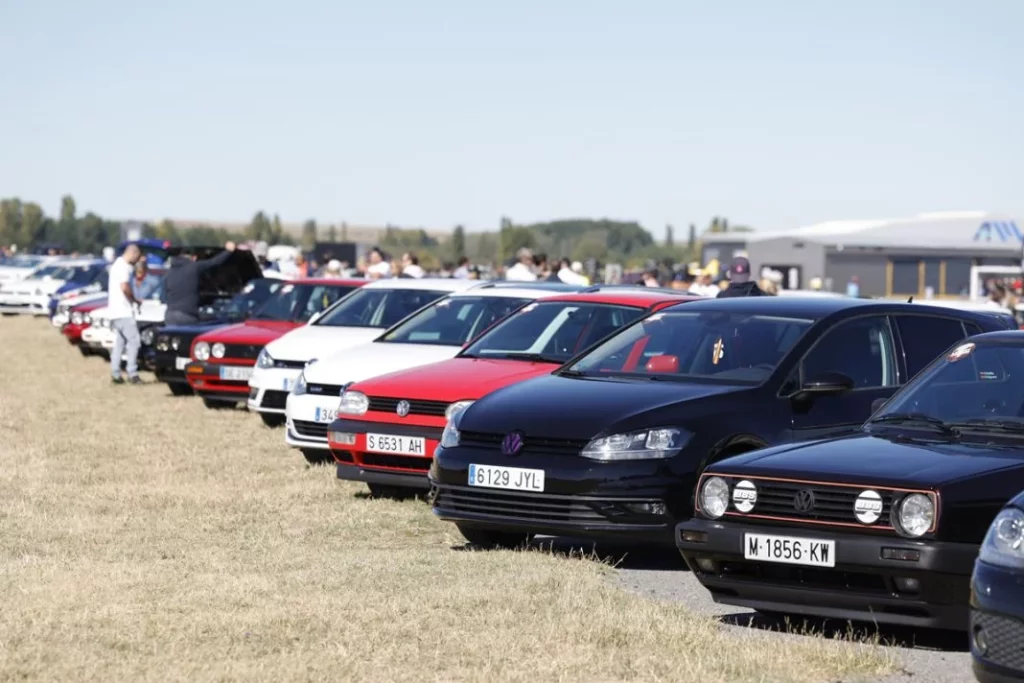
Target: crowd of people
{"type": "Point", "coordinates": [737, 281]}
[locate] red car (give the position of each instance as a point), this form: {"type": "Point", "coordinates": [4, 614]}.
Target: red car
{"type": "Point", "coordinates": [79, 321]}
{"type": "Point", "coordinates": [223, 359]}
{"type": "Point", "coordinates": [388, 427]}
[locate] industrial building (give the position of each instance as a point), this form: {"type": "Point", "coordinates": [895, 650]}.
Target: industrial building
{"type": "Point", "coordinates": [929, 255]}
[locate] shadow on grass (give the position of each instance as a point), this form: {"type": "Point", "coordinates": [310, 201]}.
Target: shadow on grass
{"type": "Point", "coordinates": [614, 555]}
{"type": "Point", "coordinates": [889, 636]}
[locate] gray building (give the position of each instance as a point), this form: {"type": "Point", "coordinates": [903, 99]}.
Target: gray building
{"type": "Point", "coordinates": [930, 253]}
{"type": "Point", "coordinates": [724, 246]}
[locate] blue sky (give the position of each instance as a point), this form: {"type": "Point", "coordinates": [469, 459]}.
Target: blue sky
{"type": "Point", "coordinates": [774, 114]}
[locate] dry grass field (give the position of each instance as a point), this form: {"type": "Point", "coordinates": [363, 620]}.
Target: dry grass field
{"type": "Point", "coordinates": [146, 538]}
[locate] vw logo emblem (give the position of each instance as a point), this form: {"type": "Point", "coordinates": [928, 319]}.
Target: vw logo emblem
{"type": "Point", "coordinates": [512, 443]}
{"type": "Point", "coordinates": [803, 501]}
{"type": "Point", "coordinates": [402, 408]}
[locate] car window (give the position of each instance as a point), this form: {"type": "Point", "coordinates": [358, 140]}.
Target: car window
{"type": "Point", "coordinates": [453, 321]}
{"type": "Point", "coordinates": [299, 302]}
{"type": "Point", "coordinates": [925, 337]}
{"type": "Point", "coordinates": [378, 307]}
{"type": "Point", "coordinates": [861, 348]}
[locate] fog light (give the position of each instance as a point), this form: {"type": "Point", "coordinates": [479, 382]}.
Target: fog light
{"type": "Point", "coordinates": [906, 584]}
{"type": "Point", "coordinates": [253, 391]}
{"type": "Point", "coordinates": [693, 536]}
{"type": "Point", "coordinates": [905, 554]}
{"type": "Point", "coordinates": [980, 642]}
{"type": "Point", "coordinates": [343, 438]}
{"type": "Point", "coordinates": [706, 565]}
{"type": "Point", "coordinates": [647, 508]}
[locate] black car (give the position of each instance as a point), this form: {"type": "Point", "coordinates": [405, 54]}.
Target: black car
{"type": "Point", "coordinates": [883, 525]}
{"type": "Point", "coordinates": [610, 444]}
{"type": "Point", "coordinates": [169, 345]}
{"type": "Point", "coordinates": [997, 599]}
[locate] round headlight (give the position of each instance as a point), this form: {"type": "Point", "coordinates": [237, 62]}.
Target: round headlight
{"type": "Point", "coordinates": [87, 319]}
{"type": "Point", "coordinates": [161, 343]}
{"type": "Point", "coordinates": [147, 336]}
{"type": "Point", "coordinates": [916, 514]}
{"type": "Point", "coordinates": [76, 318]}
{"type": "Point", "coordinates": [218, 350]}
{"type": "Point", "coordinates": [201, 351]}
{"type": "Point", "coordinates": [175, 343]}
{"type": "Point", "coordinates": [455, 409]}
{"type": "Point", "coordinates": [714, 497]}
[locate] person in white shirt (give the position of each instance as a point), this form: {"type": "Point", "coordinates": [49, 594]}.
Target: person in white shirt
{"type": "Point", "coordinates": [121, 304]}
{"type": "Point", "coordinates": [378, 268]}
{"type": "Point", "coordinates": [411, 266]}
{"type": "Point", "coordinates": [523, 270]}
{"type": "Point", "coordinates": [567, 275]}
{"type": "Point", "coordinates": [462, 272]}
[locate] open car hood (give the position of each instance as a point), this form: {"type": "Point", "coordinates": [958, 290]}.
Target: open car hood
{"type": "Point", "coordinates": [225, 280]}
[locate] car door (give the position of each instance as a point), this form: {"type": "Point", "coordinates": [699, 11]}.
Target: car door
{"type": "Point", "coordinates": [863, 349]}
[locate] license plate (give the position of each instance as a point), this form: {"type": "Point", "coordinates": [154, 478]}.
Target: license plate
{"type": "Point", "coordinates": [233, 373]}
{"type": "Point", "coordinates": [180, 363]}
{"type": "Point", "coordinates": [287, 383]}
{"type": "Point", "coordinates": [811, 552]}
{"type": "Point", "coordinates": [325, 414]}
{"type": "Point", "coordinates": [515, 478]}
{"type": "Point", "coordinates": [401, 445]}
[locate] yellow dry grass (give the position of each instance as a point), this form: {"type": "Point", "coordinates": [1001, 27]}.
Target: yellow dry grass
{"type": "Point", "coordinates": [147, 538]}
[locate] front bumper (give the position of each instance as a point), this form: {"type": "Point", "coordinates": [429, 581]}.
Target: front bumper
{"type": "Point", "coordinates": [636, 501]}
{"type": "Point", "coordinates": [269, 387]}
{"type": "Point", "coordinates": [997, 624]}
{"type": "Point", "coordinates": [168, 366]}
{"type": "Point", "coordinates": [861, 587]}
{"type": "Point", "coordinates": [25, 304]}
{"type": "Point", "coordinates": [207, 381]}
{"type": "Point", "coordinates": [73, 332]}
{"type": "Point", "coordinates": [98, 337]}
{"type": "Point", "coordinates": [357, 463]}
{"type": "Point", "coordinates": [308, 418]}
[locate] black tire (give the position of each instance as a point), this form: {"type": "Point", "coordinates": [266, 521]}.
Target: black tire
{"type": "Point", "coordinates": [85, 351]}
{"type": "Point", "coordinates": [214, 404]}
{"type": "Point", "coordinates": [272, 420]}
{"type": "Point", "coordinates": [490, 538]}
{"type": "Point", "coordinates": [315, 456]}
{"type": "Point", "coordinates": [179, 389]}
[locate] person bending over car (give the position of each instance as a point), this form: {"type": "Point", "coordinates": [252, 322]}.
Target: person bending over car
{"type": "Point", "coordinates": [739, 281]}
{"type": "Point", "coordinates": [182, 285]}
{"type": "Point", "coordinates": [121, 303]}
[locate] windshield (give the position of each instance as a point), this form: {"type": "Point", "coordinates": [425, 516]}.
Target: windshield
{"type": "Point", "coordinates": [733, 347]}
{"type": "Point", "coordinates": [254, 295]}
{"type": "Point", "coordinates": [53, 272]}
{"type": "Point", "coordinates": [453, 321]}
{"type": "Point", "coordinates": [378, 307]}
{"type": "Point", "coordinates": [552, 331]}
{"type": "Point", "coordinates": [23, 261]}
{"type": "Point", "coordinates": [970, 383]}
{"type": "Point", "coordinates": [300, 302]}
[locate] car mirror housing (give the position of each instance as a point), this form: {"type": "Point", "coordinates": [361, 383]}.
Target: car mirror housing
{"type": "Point", "coordinates": [825, 384]}
{"type": "Point", "coordinates": [877, 404]}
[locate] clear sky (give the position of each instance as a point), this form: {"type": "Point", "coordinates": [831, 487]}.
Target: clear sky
{"type": "Point", "coordinates": [774, 114]}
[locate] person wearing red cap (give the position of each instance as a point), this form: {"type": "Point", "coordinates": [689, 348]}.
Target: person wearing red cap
{"type": "Point", "coordinates": [739, 280]}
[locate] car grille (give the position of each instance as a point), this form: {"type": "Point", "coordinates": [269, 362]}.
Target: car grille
{"type": "Point", "coordinates": [324, 389]}
{"type": "Point", "coordinates": [274, 399]}
{"type": "Point", "coordinates": [416, 407]}
{"type": "Point", "coordinates": [832, 504]}
{"type": "Point", "coordinates": [248, 351]}
{"type": "Point", "coordinates": [395, 462]}
{"type": "Point", "coordinates": [1005, 639]}
{"type": "Point", "coordinates": [288, 364]}
{"type": "Point", "coordinates": [531, 444]}
{"type": "Point", "coordinates": [313, 430]}
{"type": "Point", "coordinates": [543, 507]}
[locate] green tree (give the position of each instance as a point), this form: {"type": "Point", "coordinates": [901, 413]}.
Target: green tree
{"type": "Point", "coordinates": [691, 238]}
{"type": "Point", "coordinates": [276, 230]}
{"type": "Point", "coordinates": [309, 234]}
{"type": "Point", "coordinates": [166, 230]}
{"type": "Point", "coordinates": [332, 233]}
{"type": "Point", "coordinates": [10, 221]}
{"type": "Point", "coordinates": [459, 242]}
{"type": "Point", "coordinates": [67, 209]}
{"type": "Point", "coordinates": [260, 228]}
{"type": "Point", "coordinates": [670, 237]}
{"type": "Point", "coordinates": [31, 224]}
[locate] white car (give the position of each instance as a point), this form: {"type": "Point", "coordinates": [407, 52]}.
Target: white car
{"type": "Point", "coordinates": [356, 319]}
{"type": "Point", "coordinates": [30, 295]}
{"type": "Point", "coordinates": [434, 334]}
{"type": "Point", "coordinates": [63, 314]}
{"type": "Point", "coordinates": [100, 336]}
{"type": "Point", "coordinates": [22, 266]}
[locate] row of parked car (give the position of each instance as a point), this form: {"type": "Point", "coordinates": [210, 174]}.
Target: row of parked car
{"type": "Point", "coordinates": [812, 456]}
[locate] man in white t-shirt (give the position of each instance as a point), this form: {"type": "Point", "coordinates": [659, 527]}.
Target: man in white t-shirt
{"type": "Point", "coordinates": [378, 268]}
{"type": "Point", "coordinates": [121, 303]}
{"type": "Point", "coordinates": [522, 271]}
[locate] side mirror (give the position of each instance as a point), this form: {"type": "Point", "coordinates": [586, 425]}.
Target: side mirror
{"type": "Point", "coordinates": [877, 404]}
{"type": "Point", "coordinates": [663, 364]}
{"type": "Point", "coordinates": [825, 384]}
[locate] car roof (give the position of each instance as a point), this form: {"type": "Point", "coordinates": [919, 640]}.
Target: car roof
{"type": "Point", "coordinates": [523, 291]}
{"type": "Point", "coordinates": [641, 297]}
{"type": "Point", "coordinates": [1003, 337]}
{"type": "Point", "coordinates": [337, 282]}
{"type": "Point", "coordinates": [816, 307]}
{"type": "Point", "coordinates": [444, 284]}
{"type": "Point", "coordinates": [76, 262]}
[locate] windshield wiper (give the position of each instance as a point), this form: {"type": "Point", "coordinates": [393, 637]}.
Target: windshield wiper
{"type": "Point", "coordinates": [540, 358]}
{"type": "Point", "coordinates": [941, 425]}
{"type": "Point", "coordinates": [995, 423]}
{"type": "Point", "coordinates": [571, 373]}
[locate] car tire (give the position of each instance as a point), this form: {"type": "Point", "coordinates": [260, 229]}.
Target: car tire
{"type": "Point", "coordinates": [85, 351]}
{"type": "Point", "coordinates": [272, 420]}
{"type": "Point", "coordinates": [489, 538]}
{"type": "Point", "coordinates": [178, 389]}
{"type": "Point", "coordinates": [213, 404]}
{"type": "Point", "coordinates": [315, 456]}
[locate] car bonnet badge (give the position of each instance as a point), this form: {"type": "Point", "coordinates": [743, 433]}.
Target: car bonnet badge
{"type": "Point", "coordinates": [402, 408]}
{"type": "Point", "coordinates": [512, 443]}
{"type": "Point", "coordinates": [803, 501]}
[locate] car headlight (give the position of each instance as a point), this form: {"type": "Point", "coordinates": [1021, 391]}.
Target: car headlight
{"type": "Point", "coordinates": [175, 343]}
{"type": "Point", "coordinates": [264, 360]}
{"type": "Point", "coordinates": [87, 319]}
{"type": "Point", "coordinates": [1004, 543]}
{"type": "Point", "coordinates": [161, 343]}
{"type": "Point", "coordinates": [353, 403]}
{"type": "Point", "coordinates": [218, 350]}
{"type": "Point", "coordinates": [147, 336]}
{"type": "Point", "coordinates": [646, 444]}
{"type": "Point", "coordinates": [714, 497]}
{"type": "Point", "coordinates": [914, 515]}
{"type": "Point", "coordinates": [201, 351]}
{"type": "Point", "coordinates": [299, 388]}
{"type": "Point", "coordinates": [77, 318]}
{"type": "Point", "coordinates": [450, 435]}
{"type": "Point", "coordinates": [456, 409]}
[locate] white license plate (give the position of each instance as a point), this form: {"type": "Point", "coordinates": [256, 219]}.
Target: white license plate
{"type": "Point", "coordinates": [325, 414]}
{"type": "Point", "coordinates": [233, 373]}
{"type": "Point", "coordinates": [400, 445]}
{"type": "Point", "coordinates": [515, 478]}
{"type": "Point", "coordinates": [180, 363]}
{"type": "Point", "coordinates": [811, 552]}
{"type": "Point", "coordinates": [287, 384]}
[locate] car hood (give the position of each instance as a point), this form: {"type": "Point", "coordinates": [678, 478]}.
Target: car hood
{"type": "Point", "coordinates": [11, 273]}
{"type": "Point", "coordinates": [376, 358]}
{"type": "Point", "coordinates": [150, 311]}
{"type": "Point", "coordinates": [31, 287]}
{"type": "Point", "coordinates": [454, 379]}
{"type": "Point", "coordinates": [319, 341]}
{"type": "Point", "coordinates": [872, 460]}
{"type": "Point", "coordinates": [189, 331]}
{"type": "Point", "coordinates": [582, 408]}
{"type": "Point", "coordinates": [260, 332]}
{"type": "Point", "coordinates": [84, 299]}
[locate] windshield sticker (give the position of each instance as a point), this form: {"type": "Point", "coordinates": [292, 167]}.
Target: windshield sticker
{"type": "Point", "coordinates": [656, 316]}
{"type": "Point", "coordinates": [287, 288]}
{"type": "Point", "coordinates": [718, 352]}
{"type": "Point", "coordinates": [987, 374]}
{"type": "Point", "coordinates": [527, 309]}
{"type": "Point", "coordinates": [960, 352]}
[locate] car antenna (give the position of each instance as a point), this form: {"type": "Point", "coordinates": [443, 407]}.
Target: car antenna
{"type": "Point", "coordinates": [911, 299]}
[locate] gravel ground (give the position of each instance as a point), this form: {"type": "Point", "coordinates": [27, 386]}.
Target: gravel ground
{"type": "Point", "coordinates": [928, 657]}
